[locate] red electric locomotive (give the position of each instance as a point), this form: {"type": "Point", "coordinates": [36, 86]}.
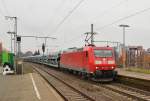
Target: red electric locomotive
{"type": "Point", "coordinates": [95, 62]}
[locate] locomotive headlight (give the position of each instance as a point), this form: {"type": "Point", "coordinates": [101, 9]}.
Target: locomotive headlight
{"type": "Point", "coordinates": [98, 62]}
{"type": "Point", "coordinates": [111, 62]}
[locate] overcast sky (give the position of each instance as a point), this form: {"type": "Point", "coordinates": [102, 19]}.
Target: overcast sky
{"type": "Point", "coordinates": [41, 18]}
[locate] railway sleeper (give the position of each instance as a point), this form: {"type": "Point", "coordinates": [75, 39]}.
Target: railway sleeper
{"type": "Point", "coordinates": [132, 94]}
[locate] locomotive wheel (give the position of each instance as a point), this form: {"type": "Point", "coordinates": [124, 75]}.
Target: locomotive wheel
{"type": "Point", "coordinates": [75, 72]}
{"type": "Point", "coordinates": [84, 75]}
{"type": "Point", "coordinates": [115, 75]}
{"type": "Point", "coordinates": [79, 73]}
{"type": "Point", "coordinates": [70, 71]}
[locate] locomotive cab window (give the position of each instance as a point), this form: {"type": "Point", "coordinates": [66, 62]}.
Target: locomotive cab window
{"type": "Point", "coordinates": [103, 53]}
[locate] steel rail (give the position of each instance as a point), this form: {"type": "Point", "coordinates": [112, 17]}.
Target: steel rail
{"type": "Point", "coordinates": [73, 95]}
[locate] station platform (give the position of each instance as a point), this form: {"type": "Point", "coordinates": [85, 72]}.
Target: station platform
{"type": "Point", "coordinates": [27, 87]}
{"type": "Point", "coordinates": [142, 76]}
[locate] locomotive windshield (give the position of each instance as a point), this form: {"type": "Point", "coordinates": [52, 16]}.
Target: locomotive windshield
{"type": "Point", "coordinates": [103, 53]}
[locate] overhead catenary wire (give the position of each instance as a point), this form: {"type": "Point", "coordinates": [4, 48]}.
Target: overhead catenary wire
{"type": "Point", "coordinates": [114, 6]}
{"type": "Point", "coordinates": [68, 15]}
{"type": "Point", "coordinates": [121, 19]}
{"type": "Point", "coordinates": [110, 8]}
{"type": "Point", "coordinates": [124, 18]}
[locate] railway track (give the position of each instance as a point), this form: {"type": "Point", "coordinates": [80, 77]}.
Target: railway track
{"type": "Point", "coordinates": [134, 93]}
{"type": "Point", "coordinates": [69, 93]}
{"type": "Point", "coordinates": [105, 92]}
{"type": "Point", "coordinates": [96, 93]}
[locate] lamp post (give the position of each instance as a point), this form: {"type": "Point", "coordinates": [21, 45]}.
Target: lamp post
{"type": "Point", "coordinates": [15, 31]}
{"type": "Point", "coordinates": [15, 35]}
{"type": "Point", "coordinates": [124, 52]}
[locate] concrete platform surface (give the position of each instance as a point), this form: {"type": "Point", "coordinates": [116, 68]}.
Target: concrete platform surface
{"type": "Point", "coordinates": [122, 71]}
{"type": "Point", "coordinates": [28, 87]}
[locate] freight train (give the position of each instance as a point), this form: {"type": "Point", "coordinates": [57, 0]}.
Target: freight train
{"type": "Point", "coordinates": [97, 63]}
